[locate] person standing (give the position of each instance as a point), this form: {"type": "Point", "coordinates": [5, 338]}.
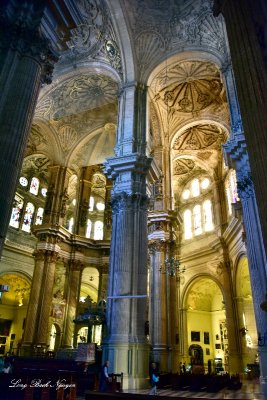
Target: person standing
{"type": "Point", "coordinates": [104, 378]}
{"type": "Point", "coordinates": [154, 378]}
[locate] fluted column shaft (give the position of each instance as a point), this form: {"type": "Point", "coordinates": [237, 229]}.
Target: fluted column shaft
{"type": "Point", "coordinates": [248, 55]}
{"type": "Point", "coordinates": [33, 307]}
{"type": "Point", "coordinates": [37, 321]}
{"type": "Point", "coordinates": [73, 291]}
{"type": "Point", "coordinates": [128, 254]}
{"type": "Point", "coordinates": [56, 198]}
{"type": "Point", "coordinates": [158, 324]}
{"type": "Point", "coordinates": [24, 57]}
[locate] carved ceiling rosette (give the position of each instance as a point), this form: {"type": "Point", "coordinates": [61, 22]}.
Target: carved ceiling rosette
{"type": "Point", "coordinates": [85, 92]}
{"type": "Point", "coordinates": [183, 166]}
{"type": "Point", "coordinates": [199, 137]}
{"type": "Point", "coordinates": [189, 87]}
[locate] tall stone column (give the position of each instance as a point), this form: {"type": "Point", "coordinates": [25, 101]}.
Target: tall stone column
{"type": "Point", "coordinates": [234, 342]}
{"type": "Point", "coordinates": [73, 291]}
{"type": "Point", "coordinates": [37, 322]}
{"type": "Point", "coordinates": [238, 157]}
{"type": "Point", "coordinates": [56, 198]}
{"type": "Point", "coordinates": [85, 185]}
{"type": "Point", "coordinates": [158, 321]}
{"type": "Point", "coordinates": [125, 345]}
{"type": "Point", "coordinates": [26, 62]}
{"type": "Point", "coordinates": [246, 31]}
{"type": "Point", "coordinates": [103, 282]}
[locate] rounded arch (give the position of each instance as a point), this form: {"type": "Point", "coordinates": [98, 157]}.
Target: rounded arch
{"type": "Point", "coordinates": [181, 56]}
{"type": "Point", "coordinates": [188, 286]}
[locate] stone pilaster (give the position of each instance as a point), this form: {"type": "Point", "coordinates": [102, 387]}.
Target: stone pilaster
{"type": "Point", "coordinates": [238, 157]}
{"type": "Point", "coordinates": [103, 282]}
{"type": "Point", "coordinates": [37, 321]}
{"type": "Point", "coordinates": [26, 61]}
{"type": "Point", "coordinates": [85, 186]}
{"type": "Point", "coordinates": [73, 291]}
{"type": "Point", "coordinates": [56, 199]}
{"type": "Point", "coordinates": [245, 30]}
{"type": "Point", "coordinates": [158, 315]}
{"type": "Point", "coordinates": [234, 344]}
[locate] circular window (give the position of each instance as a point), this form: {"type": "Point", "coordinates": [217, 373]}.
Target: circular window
{"type": "Point", "coordinates": [23, 181]}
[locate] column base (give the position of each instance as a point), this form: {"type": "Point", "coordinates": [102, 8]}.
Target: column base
{"type": "Point", "coordinates": [131, 359]}
{"type": "Point", "coordinates": [160, 355]}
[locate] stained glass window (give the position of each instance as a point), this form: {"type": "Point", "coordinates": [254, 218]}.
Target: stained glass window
{"type": "Point", "coordinates": [91, 204]}
{"type": "Point", "coordinates": [39, 216]}
{"type": "Point", "coordinates": [16, 211]}
{"type": "Point", "coordinates": [98, 230]}
{"type": "Point", "coordinates": [23, 181]}
{"type": "Point", "coordinates": [34, 186]}
{"type": "Point", "coordinates": [27, 218]}
{"type": "Point", "coordinates": [187, 224]}
{"type": "Point", "coordinates": [207, 211]}
{"type": "Point", "coordinates": [197, 220]}
{"type": "Point", "coordinates": [88, 228]}
{"type": "Point", "coordinates": [195, 187]}
{"type": "Point", "coordinates": [70, 224]}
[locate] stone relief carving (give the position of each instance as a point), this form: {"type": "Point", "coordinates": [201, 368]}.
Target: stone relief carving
{"type": "Point", "coordinates": [183, 166]}
{"type": "Point", "coordinates": [199, 137]}
{"type": "Point", "coordinates": [36, 140]}
{"type": "Point", "coordinates": [36, 165]}
{"type": "Point", "coordinates": [67, 136]}
{"type": "Point", "coordinates": [95, 37]}
{"type": "Point", "coordinates": [77, 95]}
{"type": "Point", "coordinates": [190, 22]}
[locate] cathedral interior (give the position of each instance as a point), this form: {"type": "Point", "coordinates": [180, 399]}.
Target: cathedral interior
{"type": "Point", "coordinates": [133, 203]}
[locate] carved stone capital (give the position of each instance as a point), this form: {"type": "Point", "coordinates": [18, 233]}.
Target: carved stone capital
{"type": "Point", "coordinates": [245, 187]}
{"type": "Point", "coordinates": [156, 246]}
{"type": "Point", "coordinates": [124, 201]}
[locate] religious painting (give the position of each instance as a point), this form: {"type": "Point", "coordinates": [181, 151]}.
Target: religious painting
{"type": "Point", "coordinates": [5, 325]}
{"type": "Point", "coordinates": [195, 336]}
{"type": "Point", "coordinates": [206, 338]}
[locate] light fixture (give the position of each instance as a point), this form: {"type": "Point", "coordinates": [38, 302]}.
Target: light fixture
{"type": "Point", "coordinates": [172, 267]}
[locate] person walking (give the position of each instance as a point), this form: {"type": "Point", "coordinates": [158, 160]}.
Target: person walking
{"type": "Point", "coordinates": [154, 378]}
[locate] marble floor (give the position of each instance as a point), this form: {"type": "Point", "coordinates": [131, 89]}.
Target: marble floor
{"type": "Point", "coordinates": [249, 391]}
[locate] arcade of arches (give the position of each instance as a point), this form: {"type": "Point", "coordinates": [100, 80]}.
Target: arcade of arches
{"type": "Point", "coordinates": [134, 187]}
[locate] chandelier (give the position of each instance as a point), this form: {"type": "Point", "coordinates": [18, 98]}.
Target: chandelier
{"type": "Point", "coordinates": [172, 267]}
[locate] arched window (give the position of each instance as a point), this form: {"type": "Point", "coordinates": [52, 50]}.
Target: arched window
{"type": "Point", "coordinates": [187, 224]}
{"type": "Point", "coordinates": [207, 212]}
{"type": "Point", "coordinates": [197, 220]}
{"type": "Point", "coordinates": [34, 186]}
{"type": "Point", "coordinates": [16, 212]}
{"type": "Point", "coordinates": [231, 190]}
{"type": "Point", "coordinates": [91, 204]}
{"type": "Point", "coordinates": [195, 188]}
{"type": "Point", "coordinates": [39, 216]}
{"type": "Point", "coordinates": [88, 228]}
{"type": "Point", "coordinates": [27, 219]}
{"type": "Point", "coordinates": [98, 230]}
{"type": "Point", "coordinates": [70, 224]}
